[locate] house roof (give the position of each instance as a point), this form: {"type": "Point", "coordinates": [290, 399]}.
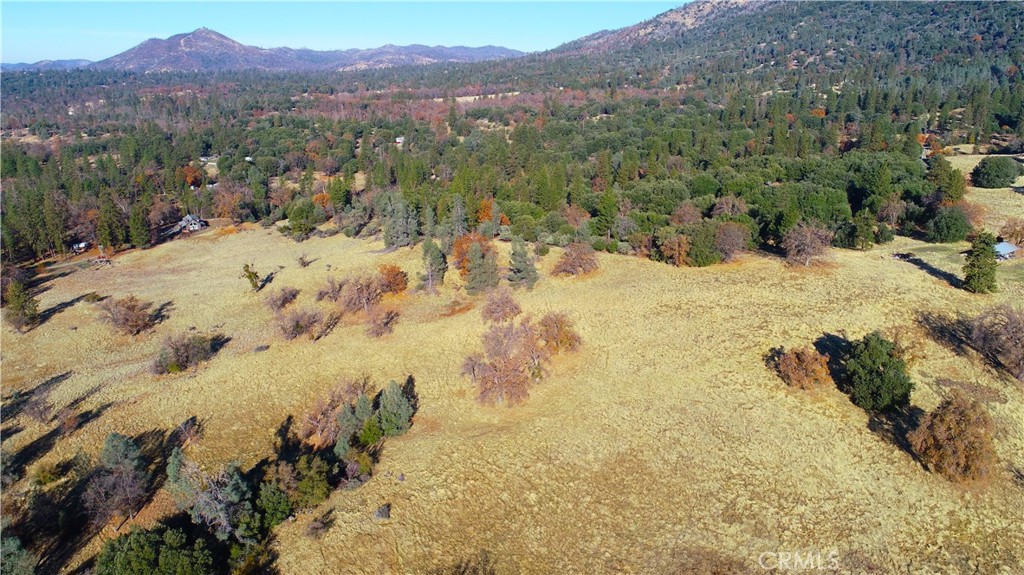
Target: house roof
{"type": "Point", "coordinates": [1005, 248]}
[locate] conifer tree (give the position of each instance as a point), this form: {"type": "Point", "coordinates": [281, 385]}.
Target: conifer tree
{"type": "Point", "coordinates": [395, 410]}
{"type": "Point", "coordinates": [138, 226]}
{"type": "Point", "coordinates": [980, 269]}
{"type": "Point", "coordinates": [521, 271]}
{"type": "Point", "coordinates": [22, 308]}
{"type": "Point", "coordinates": [109, 231]}
{"type": "Point", "coordinates": [482, 270]}
{"type": "Point", "coordinates": [434, 266]}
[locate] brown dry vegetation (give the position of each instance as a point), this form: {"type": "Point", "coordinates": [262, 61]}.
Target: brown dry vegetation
{"type": "Point", "coordinates": [664, 436]}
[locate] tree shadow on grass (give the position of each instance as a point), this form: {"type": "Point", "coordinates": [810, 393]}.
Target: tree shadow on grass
{"type": "Point", "coordinates": [48, 314]}
{"type": "Point", "coordinates": [837, 348]}
{"type": "Point", "coordinates": [14, 404]}
{"type": "Point", "coordinates": [894, 425]}
{"type": "Point", "coordinates": [409, 391]}
{"type": "Point", "coordinates": [935, 272]}
{"type": "Point", "coordinates": [953, 332]}
{"type": "Point", "coordinates": [267, 279]}
{"type": "Point", "coordinates": [16, 464]}
{"type": "Point", "coordinates": [160, 314]}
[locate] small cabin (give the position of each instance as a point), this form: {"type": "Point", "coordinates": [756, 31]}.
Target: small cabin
{"type": "Point", "coordinates": [191, 223]}
{"type": "Point", "coordinates": [1005, 250]}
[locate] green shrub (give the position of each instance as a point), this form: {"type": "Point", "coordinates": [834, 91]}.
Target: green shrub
{"type": "Point", "coordinates": [22, 308]}
{"type": "Point", "coordinates": [371, 433]}
{"type": "Point", "coordinates": [950, 224]}
{"type": "Point", "coordinates": [181, 352]}
{"type": "Point", "coordinates": [395, 410]}
{"type": "Point", "coordinates": [152, 553]}
{"type": "Point", "coordinates": [313, 487]}
{"type": "Point", "coordinates": [877, 378]}
{"type": "Point", "coordinates": [16, 560]}
{"type": "Point", "coordinates": [995, 172]}
{"type": "Point", "coordinates": [273, 504]}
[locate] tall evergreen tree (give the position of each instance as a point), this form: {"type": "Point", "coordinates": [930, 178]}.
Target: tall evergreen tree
{"type": "Point", "coordinates": [607, 209]}
{"type": "Point", "coordinates": [522, 271]}
{"type": "Point", "coordinates": [109, 230]}
{"type": "Point", "coordinates": [138, 226]}
{"type": "Point", "coordinates": [22, 308]}
{"type": "Point", "coordinates": [980, 269]}
{"type": "Point", "coordinates": [395, 410]}
{"type": "Point", "coordinates": [434, 266]}
{"type": "Point", "coordinates": [482, 269]}
{"type": "Point", "coordinates": [55, 218]}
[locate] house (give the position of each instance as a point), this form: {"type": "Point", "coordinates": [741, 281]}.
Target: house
{"type": "Point", "coordinates": [1005, 250]}
{"type": "Point", "coordinates": [190, 223]}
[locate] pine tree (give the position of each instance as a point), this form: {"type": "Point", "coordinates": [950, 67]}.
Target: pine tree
{"type": "Point", "coordinates": [607, 209]}
{"type": "Point", "coordinates": [138, 226]}
{"type": "Point", "coordinates": [109, 231]}
{"type": "Point", "coordinates": [22, 308]}
{"type": "Point", "coordinates": [980, 269]}
{"type": "Point", "coordinates": [864, 230]}
{"type": "Point", "coordinates": [395, 410]}
{"type": "Point", "coordinates": [56, 222]}
{"type": "Point", "coordinates": [521, 269]}
{"type": "Point", "coordinates": [434, 266]}
{"type": "Point", "coordinates": [457, 218]}
{"type": "Point", "coordinates": [482, 269]}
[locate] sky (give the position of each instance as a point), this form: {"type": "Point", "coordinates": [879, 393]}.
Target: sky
{"type": "Point", "coordinates": [34, 31]}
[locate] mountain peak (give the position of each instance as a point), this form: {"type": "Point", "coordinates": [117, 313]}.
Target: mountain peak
{"type": "Point", "coordinates": [204, 49]}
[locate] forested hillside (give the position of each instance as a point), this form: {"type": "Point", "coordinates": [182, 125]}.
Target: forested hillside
{"type": "Point", "coordinates": [760, 114]}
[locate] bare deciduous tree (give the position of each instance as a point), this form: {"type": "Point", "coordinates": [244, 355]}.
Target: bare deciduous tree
{"type": "Point", "coordinates": [805, 242]}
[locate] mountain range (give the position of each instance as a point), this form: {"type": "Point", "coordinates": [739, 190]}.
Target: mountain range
{"type": "Point", "coordinates": [205, 50]}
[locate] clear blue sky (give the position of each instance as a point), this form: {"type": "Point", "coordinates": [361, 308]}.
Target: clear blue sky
{"type": "Point", "coordinates": [35, 31]}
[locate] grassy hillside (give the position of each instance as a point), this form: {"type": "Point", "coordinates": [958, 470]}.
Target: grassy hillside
{"type": "Point", "coordinates": [664, 443]}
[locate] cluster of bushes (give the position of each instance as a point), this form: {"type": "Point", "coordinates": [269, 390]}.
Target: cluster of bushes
{"type": "Point", "coordinates": [361, 294]}
{"type": "Point", "coordinates": [998, 334]}
{"type": "Point", "coordinates": [516, 354]}
{"type": "Point", "coordinates": [336, 444]}
{"type": "Point", "coordinates": [183, 351]}
{"type": "Point", "coordinates": [128, 315]}
{"type": "Point", "coordinates": [955, 439]}
{"type": "Point", "coordinates": [803, 368]}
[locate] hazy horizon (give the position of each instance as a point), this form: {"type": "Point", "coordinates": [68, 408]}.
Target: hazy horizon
{"type": "Point", "coordinates": [34, 31]}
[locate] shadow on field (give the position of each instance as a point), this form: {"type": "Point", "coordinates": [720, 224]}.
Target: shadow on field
{"type": "Point", "coordinates": [160, 314]}
{"type": "Point", "coordinates": [935, 272]}
{"type": "Point", "coordinates": [953, 332]}
{"type": "Point", "coordinates": [266, 280]}
{"type": "Point", "coordinates": [15, 403]}
{"type": "Point", "coordinates": [59, 308]}
{"type": "Point", "coordinates": [894, 425]}
{"type": "Point", "coordinates": [836, 347]}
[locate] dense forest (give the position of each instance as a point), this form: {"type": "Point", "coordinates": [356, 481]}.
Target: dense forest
{"type": "Point", "coordinates": [835, 115]}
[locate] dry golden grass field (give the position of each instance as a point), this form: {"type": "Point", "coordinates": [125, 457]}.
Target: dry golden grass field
{"type": "Point", "coordinates": [663, 446]}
